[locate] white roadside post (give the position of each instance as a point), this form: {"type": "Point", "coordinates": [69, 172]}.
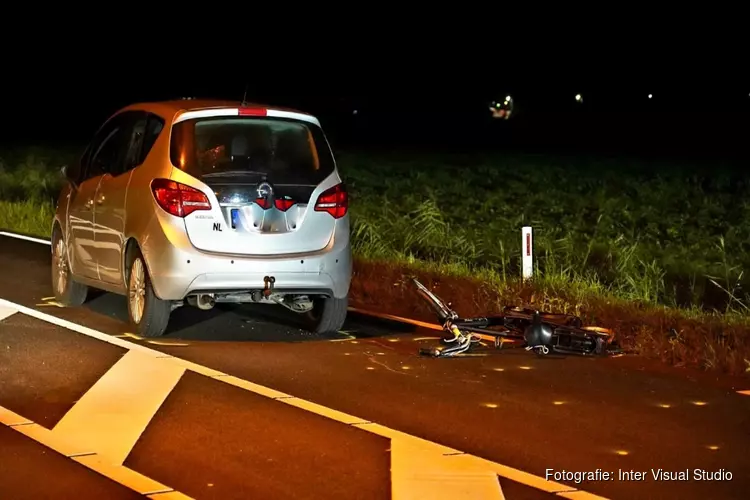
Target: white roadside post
{"type": "Point", "coordinates": [527, 256]}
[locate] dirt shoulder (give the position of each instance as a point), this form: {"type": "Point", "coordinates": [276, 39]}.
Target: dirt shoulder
{"type": "Point", "coordinates": [708, 344]}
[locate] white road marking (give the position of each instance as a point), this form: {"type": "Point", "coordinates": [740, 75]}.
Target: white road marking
{"type": "Point", "coordinates": [111, 416]}
{"type": "Point", "coordinates": [27, 238]}
{"type": "Point", "coordinates": [6, 312]}
{"type": "Point", "coordinates": [499, 469]}
{"type": "Point", "coordinates": [419, 471]}
{"type": "Point", "coordinates": [119, 473]}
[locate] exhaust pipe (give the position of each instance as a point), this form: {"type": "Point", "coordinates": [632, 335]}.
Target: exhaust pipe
{"type": "Point", "coordinates": [205, 302]}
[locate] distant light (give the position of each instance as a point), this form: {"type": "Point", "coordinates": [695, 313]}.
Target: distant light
{"type": "Point", "coordinates": [507, 98]}
{"type": "Point", "coordinates": [622, 452]}
{"type": "Point", "coordinates": [664, 405]}
{"type": "Point", "coordinates": [490, 405]}
{"type": "Point", "coordinates": [355, 111]}
{"type": "Point", "coordinates": [558, 403]}
{"type": "Point", "coordinates": [713, 448]}
{"type": "Point", "coordinates": [650, 96]}
{"type": "Point", "coordinates": [699, 403]}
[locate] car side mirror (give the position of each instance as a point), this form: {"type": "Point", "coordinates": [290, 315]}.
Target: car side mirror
{"type": "Point", "coordinates": [66, 175]}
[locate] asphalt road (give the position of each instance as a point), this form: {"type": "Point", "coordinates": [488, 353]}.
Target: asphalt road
{"type": "Point", "coordinates": [211, 433]}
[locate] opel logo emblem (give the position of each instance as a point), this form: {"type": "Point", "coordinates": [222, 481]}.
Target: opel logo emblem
{"type": "Point", "coordinates": [264, 190]}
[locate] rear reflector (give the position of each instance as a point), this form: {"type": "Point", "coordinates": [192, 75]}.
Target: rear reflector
{"type": "Point", "coordinates": [263, 202]}
{"type": "Point", "coordinates": [334, 200]}
{"type": "Point", "coordinates": [252, 111]}
{"type": "Point", "coordinates": [283, 204]}
{"type": "Point", "coordinates": [178, 199]}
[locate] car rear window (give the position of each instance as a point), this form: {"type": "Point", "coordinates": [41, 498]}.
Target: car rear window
{"type": "Point", "coordinates": [281, 150]}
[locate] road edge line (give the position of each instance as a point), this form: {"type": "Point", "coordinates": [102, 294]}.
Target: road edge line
{"type": "Point", "coordinates": [24, 237]}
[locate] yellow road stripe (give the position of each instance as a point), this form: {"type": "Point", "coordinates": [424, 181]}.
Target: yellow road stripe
{"type": "Point", "coordinates": [118, 473]}
{"type": "Point", "coordinates": [111, 416]}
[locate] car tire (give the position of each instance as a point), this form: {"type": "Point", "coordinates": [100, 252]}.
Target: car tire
{"type": "Point", "coordinates": [68, 292]}
{"type": "Point", "coordinates": [148, 314]}
{"type": "Point", "coordinates": [328, 315]}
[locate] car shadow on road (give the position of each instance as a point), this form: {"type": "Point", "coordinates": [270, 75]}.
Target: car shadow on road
{"type": "Point", "coordinates": [245, 322]}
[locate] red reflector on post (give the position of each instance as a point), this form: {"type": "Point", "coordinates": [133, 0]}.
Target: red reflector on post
{"type": "Point", "coordinates": [252, 111]}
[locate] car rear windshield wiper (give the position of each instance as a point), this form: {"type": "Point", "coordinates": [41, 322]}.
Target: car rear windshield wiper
{"type": "Point", "coordinates": [234, 173]}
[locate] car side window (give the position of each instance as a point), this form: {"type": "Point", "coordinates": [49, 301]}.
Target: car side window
{"type": "Point", "coordinates": [154, 126]}
{"type": "Point", "coordinates": [86, 170]}
{"type": "Point", "coordinates": [110, 155]}
{"type": "Point", "coordinates": [145, 131]}
{"type": "Point", "coordinates": [135, 143]}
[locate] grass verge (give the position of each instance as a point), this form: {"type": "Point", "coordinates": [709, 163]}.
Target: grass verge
{"type": "Point", "coordinates": [647, 250]}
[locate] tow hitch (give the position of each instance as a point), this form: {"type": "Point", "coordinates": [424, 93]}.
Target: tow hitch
{"type": "Point", "coordinates": [268, 289]}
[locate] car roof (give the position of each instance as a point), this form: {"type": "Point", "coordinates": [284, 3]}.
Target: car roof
{"type": "Point", "coordinates": [173, 108]}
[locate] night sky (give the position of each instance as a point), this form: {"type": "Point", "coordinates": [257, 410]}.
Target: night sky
{"type": "Point", "coordinates": [683, 118]}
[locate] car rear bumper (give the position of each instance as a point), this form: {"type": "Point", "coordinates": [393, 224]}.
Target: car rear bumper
{"type": "Point", "coordinates": [177, 269]}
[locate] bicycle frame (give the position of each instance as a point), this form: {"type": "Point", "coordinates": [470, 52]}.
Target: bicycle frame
{"type": "Point", "coordinates": [542, 332]}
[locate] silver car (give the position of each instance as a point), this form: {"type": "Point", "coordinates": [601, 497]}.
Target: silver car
{"type": "Point", "coordinates": [198, 202]}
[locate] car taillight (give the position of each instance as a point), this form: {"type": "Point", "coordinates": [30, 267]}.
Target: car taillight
{"type": "Point", "coordinates": [334, 200]}
{"type": "Point", "coordinates": [284, 204]}
{"type": "Point", "coordinates": [178, 199]}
